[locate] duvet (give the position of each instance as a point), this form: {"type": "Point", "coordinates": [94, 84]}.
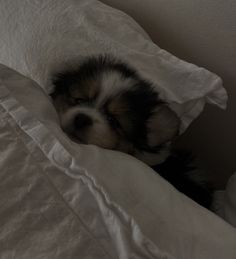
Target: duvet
{"type": "Point", "coordinates": [64, 200]}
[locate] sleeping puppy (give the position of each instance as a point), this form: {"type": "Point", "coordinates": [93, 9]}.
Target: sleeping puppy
{"type": "Point", "coordinates": [105, 102]}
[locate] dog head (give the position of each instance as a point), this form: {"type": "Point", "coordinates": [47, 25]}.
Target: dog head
{"type": "Point", "coordinates": [106, 103]}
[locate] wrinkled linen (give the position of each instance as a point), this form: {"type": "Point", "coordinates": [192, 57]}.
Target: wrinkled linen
{"type": "Point", "coordinates": [64, 200]}
{"type": "Point", "coordinates": [225, 201]}
{"type": "Point", "coordinates": [41, 37]}
{"type": "Point", "coordinates": [52, 206]}
{"type": "Point", "coordinates": [230, 201]}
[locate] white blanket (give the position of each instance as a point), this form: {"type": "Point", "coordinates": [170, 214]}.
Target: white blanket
{"type": "Point", "coordinates": [62, 200]}
{"type": "Point", "coordinates": [51, 205]}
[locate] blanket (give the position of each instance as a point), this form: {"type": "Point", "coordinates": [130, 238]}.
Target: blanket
{"type": "Point", "coordinates": [64, 200]}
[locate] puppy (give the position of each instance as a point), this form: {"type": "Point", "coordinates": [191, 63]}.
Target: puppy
{"type": "Point", "coordinates": [105, 102]}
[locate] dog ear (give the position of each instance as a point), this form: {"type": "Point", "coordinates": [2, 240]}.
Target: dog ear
{"type": "Point", "coordinates": [162, 126]}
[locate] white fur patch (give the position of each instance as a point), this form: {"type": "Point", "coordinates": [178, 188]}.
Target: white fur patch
{"type": "Point", "coordinates": [112, 83]}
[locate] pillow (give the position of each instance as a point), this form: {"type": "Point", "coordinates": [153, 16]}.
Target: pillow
{"type": "Point", "coordinates": [44, 37]}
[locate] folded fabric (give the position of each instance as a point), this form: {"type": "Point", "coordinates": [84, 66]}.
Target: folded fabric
{"type": "Point", "coordinates": [225, 201]}
{"type": "Point", "coordinates": [52, 206]}
{"type": "Point", "coordinates": [64, 200]}
{"type": "Point", "coordinates": [41, 37]}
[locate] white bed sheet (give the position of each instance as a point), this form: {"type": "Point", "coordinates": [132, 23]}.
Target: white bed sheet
{"type": "Point", "coordinates": [63, 200]}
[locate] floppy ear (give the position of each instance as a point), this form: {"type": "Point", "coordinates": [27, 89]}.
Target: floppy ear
{"type": "Point", "coordinates": [162, 126]}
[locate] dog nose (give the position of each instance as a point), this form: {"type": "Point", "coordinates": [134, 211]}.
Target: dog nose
{"type": "Point", "coordinates": [82, 120]}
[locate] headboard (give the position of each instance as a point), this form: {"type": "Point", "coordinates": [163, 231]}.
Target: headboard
{"type": "Point", "coordinates": [202, 32]}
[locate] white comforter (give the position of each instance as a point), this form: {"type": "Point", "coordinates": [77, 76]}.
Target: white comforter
{"type": "Point", "coordinates": [51, 204]}
{"type": "Point", "coordinates": [62, 200]}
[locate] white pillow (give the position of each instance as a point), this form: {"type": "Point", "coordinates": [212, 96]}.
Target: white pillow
{"type": "Point", "coordinates": [44, 36]}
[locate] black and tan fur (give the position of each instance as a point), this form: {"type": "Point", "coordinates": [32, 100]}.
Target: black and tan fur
{"type": "Point", "coordinates": [105, 102]}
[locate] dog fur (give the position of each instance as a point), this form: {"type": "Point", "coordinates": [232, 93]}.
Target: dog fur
{"type": "Point", "coordinates": [105, 102]}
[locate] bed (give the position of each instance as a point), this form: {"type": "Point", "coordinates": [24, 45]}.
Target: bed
{"type": "Point", "coordinates": [64, 200]}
